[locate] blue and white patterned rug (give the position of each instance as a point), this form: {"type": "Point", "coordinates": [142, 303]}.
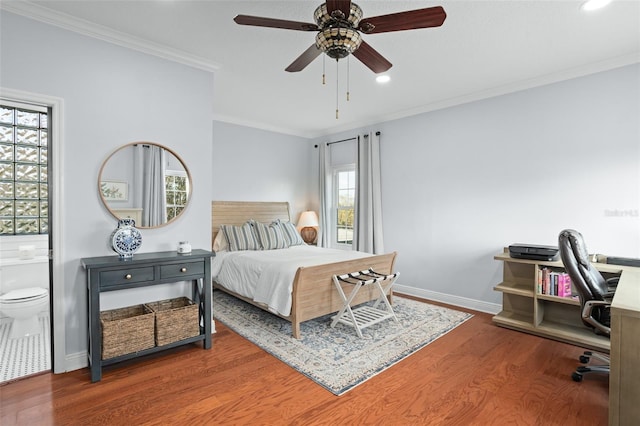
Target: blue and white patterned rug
{"type": "Point", "coordinates": [336, 358]}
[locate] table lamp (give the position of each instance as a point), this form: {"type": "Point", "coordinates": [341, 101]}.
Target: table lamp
{"type": "Point", "coordinates": [307, 223]}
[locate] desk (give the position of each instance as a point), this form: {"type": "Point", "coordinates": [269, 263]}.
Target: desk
{"type": "Point", "coordinates": [624, 379]}
{"type": "Point", "coordinates": [524, 309]}
{"type": "Point", "coordinates": [110, 273]}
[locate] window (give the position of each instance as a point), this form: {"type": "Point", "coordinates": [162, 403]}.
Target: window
{"type": "Point", "coordinates": [23, 170]}
{"type": "Point", "coordinates": [345, 198]}
{"type": "Point", "coordinates": [176, 188]}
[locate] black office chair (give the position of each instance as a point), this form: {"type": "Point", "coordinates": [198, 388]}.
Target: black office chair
{"type": "Point", "coordinates": [595, 295]}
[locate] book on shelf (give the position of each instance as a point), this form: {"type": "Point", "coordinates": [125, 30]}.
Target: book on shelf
{"type": "Point", "coordinates": [554, 283]}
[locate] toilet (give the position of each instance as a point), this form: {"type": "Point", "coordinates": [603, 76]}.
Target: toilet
{"type": "Point", "coordinates": [24, 294]}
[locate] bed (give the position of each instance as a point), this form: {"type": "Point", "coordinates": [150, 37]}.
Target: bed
{"type": "Point", "coordinates": [312, 292]}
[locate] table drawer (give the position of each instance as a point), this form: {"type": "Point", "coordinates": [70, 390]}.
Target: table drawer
{"type": "Point", "coordinates": [179, 270]}
{"type": "Point", "coordinates": [126, 276]}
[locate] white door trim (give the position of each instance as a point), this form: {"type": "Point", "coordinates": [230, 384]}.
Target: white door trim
{"type": "Point", "coordinates": [56, 225]}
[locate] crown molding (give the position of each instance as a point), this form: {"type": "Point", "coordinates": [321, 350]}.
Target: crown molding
{"type": "Point", "coordinates": [239, 121]}
{"type": "Point", "coordinates": [84, 27]}
{"type": "Point", "coordinates": [516, 86]}
{"type": "Point", "coordinates": [521, 85]}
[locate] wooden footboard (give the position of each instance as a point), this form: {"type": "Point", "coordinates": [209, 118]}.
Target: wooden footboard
{"type": "Point", "coordinates": [315, 295]}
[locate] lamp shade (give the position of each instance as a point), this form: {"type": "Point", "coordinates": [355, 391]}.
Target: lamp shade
{"type": "Point", "coordinates": [308, 218]}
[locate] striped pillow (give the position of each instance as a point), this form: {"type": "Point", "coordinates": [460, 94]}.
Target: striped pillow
{"type": "Point", "coordinates": [291, 234]}
{"type": "Point", "coordinates": [270, 236]}
{"type": "Point", "coordinates": [240, 237]}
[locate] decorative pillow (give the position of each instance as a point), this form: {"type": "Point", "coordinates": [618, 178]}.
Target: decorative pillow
{"type": "Point", "coordinates": [291, 234]}
{"type": "Point", "coordinates": [240, 237]}
{"type": "Point", "coordinates": [220, 243]}
{"type": "Point", "coordinates": [270, 236]}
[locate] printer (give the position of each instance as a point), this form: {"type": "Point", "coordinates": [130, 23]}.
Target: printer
{"type": "Point", "coordinates": [533, 252]}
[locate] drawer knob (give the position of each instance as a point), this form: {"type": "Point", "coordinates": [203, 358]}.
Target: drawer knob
{"type": "Point", "coordinates": [127, 277]}
{"type": "Point", "coordinates": [183, 269]}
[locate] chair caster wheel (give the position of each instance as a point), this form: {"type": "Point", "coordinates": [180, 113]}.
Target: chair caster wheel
{"type": "Point", "coordinates": [584, 359]}
{"type": "Point", "coordinates": [576, 377]}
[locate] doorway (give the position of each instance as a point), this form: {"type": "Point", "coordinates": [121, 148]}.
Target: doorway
{"type": "Point", "coordinates": [25, 332]}
{"type": "Point", "coordinates": [47, 245]}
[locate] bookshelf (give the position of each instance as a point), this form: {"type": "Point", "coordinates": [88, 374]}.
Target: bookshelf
{"type": "Point", "coordinates": [525, 309]}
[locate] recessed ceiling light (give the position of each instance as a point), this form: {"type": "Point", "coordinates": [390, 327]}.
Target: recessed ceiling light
{"type": "Point", "coordinates": [383, 78]}
{"type": "Point", "coordinates": [590, 5]}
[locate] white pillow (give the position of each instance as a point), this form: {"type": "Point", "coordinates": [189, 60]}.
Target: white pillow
{"type": "Point", "coordinates": [220, 243]}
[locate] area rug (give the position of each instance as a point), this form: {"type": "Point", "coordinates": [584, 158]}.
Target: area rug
{"type": "Point", "coordinates": [336, 358]}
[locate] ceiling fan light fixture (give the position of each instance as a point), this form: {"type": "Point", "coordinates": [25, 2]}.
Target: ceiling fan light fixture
{"type": "Point", "coordinates": [338, 43]}
{"type": "Point", "coordinates": [324, 19]}
{"type": "Point", "coordinates": [590, 5]}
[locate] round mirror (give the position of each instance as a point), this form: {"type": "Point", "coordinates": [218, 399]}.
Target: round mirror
{"type": "Point", "coordinates": [146, 182]}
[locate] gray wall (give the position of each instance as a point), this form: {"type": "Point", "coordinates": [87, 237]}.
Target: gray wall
{"type": "Point", "coordinates": [461, 183]}
{"type": "Point", "coordinates": [112, 96]}
{"type": "Point", "coordinates": [257, 165]}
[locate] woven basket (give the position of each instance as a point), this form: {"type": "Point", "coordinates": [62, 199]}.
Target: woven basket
{"type": "Point", "coordinates": [176, 319]}
{"type": "Point", "coordinates": [126, 330]}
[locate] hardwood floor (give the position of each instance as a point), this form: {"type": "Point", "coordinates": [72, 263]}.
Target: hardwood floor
{"type": "Point", "coordinates": [478, 374]}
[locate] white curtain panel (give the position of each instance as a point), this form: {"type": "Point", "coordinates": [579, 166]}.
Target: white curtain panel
{"type": "Point", "coordinates": [154, 199]}
{"type": "Point", "coordinates": [368, 210]}
{"type": "Point", "coordinates": [325, 195]}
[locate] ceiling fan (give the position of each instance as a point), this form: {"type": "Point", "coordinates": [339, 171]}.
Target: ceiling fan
{"type": "Point", "coordinates": [339, 24]}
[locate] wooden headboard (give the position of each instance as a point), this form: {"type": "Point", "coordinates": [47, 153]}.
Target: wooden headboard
{"type": "Point", "coordinates": [238, 212]}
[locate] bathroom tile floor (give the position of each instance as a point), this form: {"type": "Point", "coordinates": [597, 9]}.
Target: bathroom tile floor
{"type": "Point", "coordinates": [24, 356]}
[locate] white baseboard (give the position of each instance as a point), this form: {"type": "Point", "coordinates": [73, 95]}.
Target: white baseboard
{"type": "Point", "coordinates": [463, 302]}
{"type": "Point", "coordinates": [79, 360]}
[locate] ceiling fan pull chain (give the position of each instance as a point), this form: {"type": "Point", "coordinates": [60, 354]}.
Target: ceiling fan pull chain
{"type": "Point", "coordinates": [323, 71]}
{"type": "Point", "coordinates": [337, 81]}
{"type": "Point", "coordinates": [347, 79]}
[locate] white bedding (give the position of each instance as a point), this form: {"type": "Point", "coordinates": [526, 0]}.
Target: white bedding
{"type": "Point", "coordinates": [266, 276]}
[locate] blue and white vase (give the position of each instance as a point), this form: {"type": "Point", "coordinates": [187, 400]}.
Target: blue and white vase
{"type": "Point", "coordinates": [126, 239]}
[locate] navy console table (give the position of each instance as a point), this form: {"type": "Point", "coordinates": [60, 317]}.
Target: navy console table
{"type": "Point", "coordinates": [109, 273]}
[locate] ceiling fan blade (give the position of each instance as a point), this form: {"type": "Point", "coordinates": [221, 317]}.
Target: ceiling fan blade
{"type": "Point", "coordinates": [343, 5]}
{"type": "Point", "coordinates": [371, 58]}
{"type": "Point", "coordinates": [409, 20]}
{"type": "Point", "coordinates": [258, 21]}
{"type": "Point", "coordinates": [305, 59]}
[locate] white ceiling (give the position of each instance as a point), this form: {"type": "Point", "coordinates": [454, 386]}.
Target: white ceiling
{"type": "Point", "coordinates": [484, 48]}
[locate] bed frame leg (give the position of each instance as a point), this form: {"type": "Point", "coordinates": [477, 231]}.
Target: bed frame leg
{"type": "Point", "coordinates": [295, 328]}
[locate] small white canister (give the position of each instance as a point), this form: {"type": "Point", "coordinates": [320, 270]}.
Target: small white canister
{"type": "Point", "coordinates": [184, 247]}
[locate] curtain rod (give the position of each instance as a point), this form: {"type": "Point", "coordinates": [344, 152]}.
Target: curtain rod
{"type": "Point", "coordinates": [344, 140]}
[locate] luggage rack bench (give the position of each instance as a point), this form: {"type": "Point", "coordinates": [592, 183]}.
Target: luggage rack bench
{"type": "Point", "coordinates": [364, 316]}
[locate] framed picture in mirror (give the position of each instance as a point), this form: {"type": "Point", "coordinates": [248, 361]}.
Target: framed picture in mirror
{"type": "Point", "coordinates": [113, 190]}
